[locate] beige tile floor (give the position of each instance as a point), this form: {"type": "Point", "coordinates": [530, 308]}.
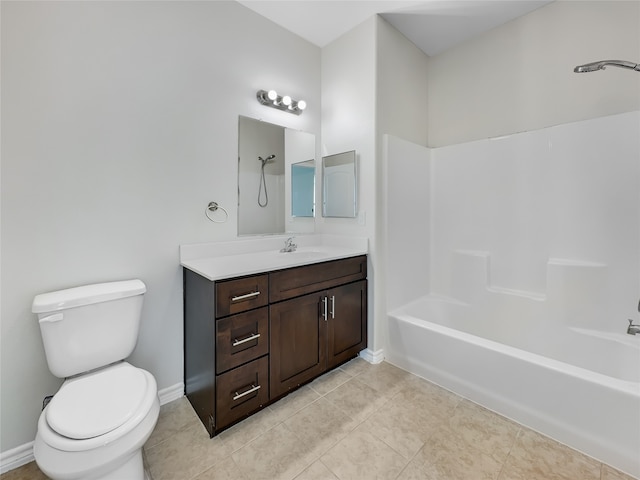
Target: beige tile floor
{"type": "Point", "coordinates": [360, 421]}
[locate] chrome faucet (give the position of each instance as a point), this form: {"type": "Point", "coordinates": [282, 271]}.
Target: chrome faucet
{"type": "Point", "coordinates": [633, 329]}
{"type": "Point", "coordinates": [289, 246]}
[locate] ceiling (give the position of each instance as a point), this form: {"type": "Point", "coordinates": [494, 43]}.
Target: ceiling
{"type": "Point", "coordinates": [433, 25]}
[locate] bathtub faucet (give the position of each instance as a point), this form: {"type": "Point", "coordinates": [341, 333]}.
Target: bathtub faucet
{"type": "Point", "coordinates": [633, 329]}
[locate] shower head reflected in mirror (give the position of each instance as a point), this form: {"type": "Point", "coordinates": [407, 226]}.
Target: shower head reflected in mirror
{"type": "Point", "coordinates": [265, 160]}
{"type": "Point", "coordinates": [601, 65]}
{"type": "Point", "coordinates": [263, 201]}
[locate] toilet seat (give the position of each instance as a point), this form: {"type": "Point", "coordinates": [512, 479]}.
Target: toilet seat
{"type": "Point", "coordinates": [115, 413]}
{"type": "Point", "coordinates": [95, 404]}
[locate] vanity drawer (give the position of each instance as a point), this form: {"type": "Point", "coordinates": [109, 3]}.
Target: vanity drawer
{"type": "Point", "coordinates": [241, 338]}
{"type": "Point", "coordinates": [241, 391]}
{"type": "Point", "coordinates": [241, 294]}
{"type": "Point", "coordinates": [297, 281]}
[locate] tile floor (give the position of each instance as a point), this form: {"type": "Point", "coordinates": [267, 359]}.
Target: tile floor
{"type": "Point", "coordinates": [360, 421]}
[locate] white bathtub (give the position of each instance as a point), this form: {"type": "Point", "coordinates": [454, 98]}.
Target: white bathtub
{"type": "Point", "coordinates": [580, 387]}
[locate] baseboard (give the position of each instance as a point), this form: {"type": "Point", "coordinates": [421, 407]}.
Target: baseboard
{"type": "Point", "coordinates": [23, 454]}
{"type": "Point", "coordinates": [16, 457]}
{"type": "Point", "coordinates": [371, 356]}
{"type": "Point", "coordinates": [169, 394]}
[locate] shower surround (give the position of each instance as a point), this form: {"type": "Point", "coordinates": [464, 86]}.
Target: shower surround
{"type": "Point", "coordinates": [527, 268]}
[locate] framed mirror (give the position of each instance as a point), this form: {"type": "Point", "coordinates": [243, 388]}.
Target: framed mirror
{"type": "Point", "coordinates": [339, 185]}
{"type": "Point", "coordinates": [266, 154]}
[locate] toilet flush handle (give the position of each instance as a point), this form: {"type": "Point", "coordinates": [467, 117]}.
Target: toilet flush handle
{"type": "Point", "coordinates": [56, 317]}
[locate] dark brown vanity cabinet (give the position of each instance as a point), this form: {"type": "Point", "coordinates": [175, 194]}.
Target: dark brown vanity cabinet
{"type": "Point", "coordinates": [250, 340]}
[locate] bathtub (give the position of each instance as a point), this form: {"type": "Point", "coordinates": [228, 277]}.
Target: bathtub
{"type": "Point", "coordinates": [582, 388]}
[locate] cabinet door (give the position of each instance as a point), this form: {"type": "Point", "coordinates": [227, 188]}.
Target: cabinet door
{"type": "Point", "coordinates": [347, 326]}
{"type": "Point", "coordinates": [298, 343]}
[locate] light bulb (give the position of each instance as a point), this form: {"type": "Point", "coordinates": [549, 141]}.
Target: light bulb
{"type": "Point", "coordinates": [302, 104]}
{"type": "Point", "coordinates": [286, 100]}
{"type": "Point", "coordinates": [272, 95]}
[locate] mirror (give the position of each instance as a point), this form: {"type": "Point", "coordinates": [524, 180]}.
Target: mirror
{"type": "Point", "coordinates": [303, 176]}
{"type": "Point", "coordinates": [266, 155]}
{"type": "Point", "coordinates": [339, 192]}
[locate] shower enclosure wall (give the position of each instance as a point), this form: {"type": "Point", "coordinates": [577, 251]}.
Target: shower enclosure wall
{"type": "Point", "coordinates": [513, 266]}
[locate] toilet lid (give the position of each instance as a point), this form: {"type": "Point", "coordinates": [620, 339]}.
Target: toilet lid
{"type": "Point", "coordinates": [97, 403]}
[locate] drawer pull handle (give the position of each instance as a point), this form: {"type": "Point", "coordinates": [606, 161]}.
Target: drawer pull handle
{"type": "Point", "coordinates": [252, 389]}
{"type": "Point", "coordinates": [237, 342]}
{"type": "Point", "coordinates": [333, 306]}
{"type": "Point", "coordinates": [244, 297]}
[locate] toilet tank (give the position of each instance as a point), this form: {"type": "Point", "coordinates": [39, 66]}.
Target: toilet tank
{"type": "Point", "coordinates": [90, 326]}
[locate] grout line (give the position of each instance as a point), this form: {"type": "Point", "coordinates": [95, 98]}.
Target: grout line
{"type": "Point", "coordinates": [506, 458]}
{"type": "Point", "coordinates": [335, 475]}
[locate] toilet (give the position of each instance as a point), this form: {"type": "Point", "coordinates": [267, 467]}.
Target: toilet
{"type": "Point", "coordinates": [95, 426]}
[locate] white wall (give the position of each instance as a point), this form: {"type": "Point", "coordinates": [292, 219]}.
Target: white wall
{"type": "Point", "coordinates": [348, 123]}
{"type": "Point", "coordinates": [402, 115]}
{"type": "Point", "coordinates": [119, 125]}
{"type": "Point", "coordinates": [349, 115]}
{"type": "Point", "coordinates": [373, 82]}
{"type": "Point", "coordinates": [402, 84]}
{"type": "Point", "coordinates": [519, 77]}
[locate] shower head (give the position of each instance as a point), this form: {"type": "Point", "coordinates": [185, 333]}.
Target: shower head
{"type": "Point", "coordinates": [592, 67]}
{"type": "Point", "coordinates": [265, 160]}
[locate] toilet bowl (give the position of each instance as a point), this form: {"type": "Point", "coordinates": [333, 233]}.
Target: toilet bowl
{"type": "Point", "coordinates": [105, 441]}
{"type": "Point", "coordinates": [95, 426]}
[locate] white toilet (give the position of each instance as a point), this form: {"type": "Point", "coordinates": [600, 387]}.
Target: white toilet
{"type": "Point", "coordinates": [95, 426]}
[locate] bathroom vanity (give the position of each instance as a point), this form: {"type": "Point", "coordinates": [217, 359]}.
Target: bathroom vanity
{"type": "Point", "coordinates": [286, 318]}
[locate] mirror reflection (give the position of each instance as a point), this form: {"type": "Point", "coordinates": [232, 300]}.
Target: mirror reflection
{"type": "Point", "coordinates": [266, 155]}
{"type": "Point", "coordinates": [303, 175]}
{"type": "Point", "coordinates": [339, 192]}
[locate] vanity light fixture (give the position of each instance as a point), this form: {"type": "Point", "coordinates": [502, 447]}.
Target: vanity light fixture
{"type": "Point", "coordinates": [272, 99]}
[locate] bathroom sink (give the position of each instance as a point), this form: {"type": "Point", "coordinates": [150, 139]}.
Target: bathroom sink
{"type": "Point", "coordinates": [303, 254]}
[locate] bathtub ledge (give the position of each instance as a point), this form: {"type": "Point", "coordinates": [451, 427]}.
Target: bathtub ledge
{"type": "Point", "coordinates": [537, 296]}
{"type": "Point", "coordinates": [568, 262]}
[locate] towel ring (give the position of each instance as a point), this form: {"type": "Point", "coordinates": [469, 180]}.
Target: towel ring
{"type": "Point", "coordinates": [213, 207]}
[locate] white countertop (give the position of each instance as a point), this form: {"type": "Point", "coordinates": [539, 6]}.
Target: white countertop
{"type": "Point", "coordinates": [221, 260]}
